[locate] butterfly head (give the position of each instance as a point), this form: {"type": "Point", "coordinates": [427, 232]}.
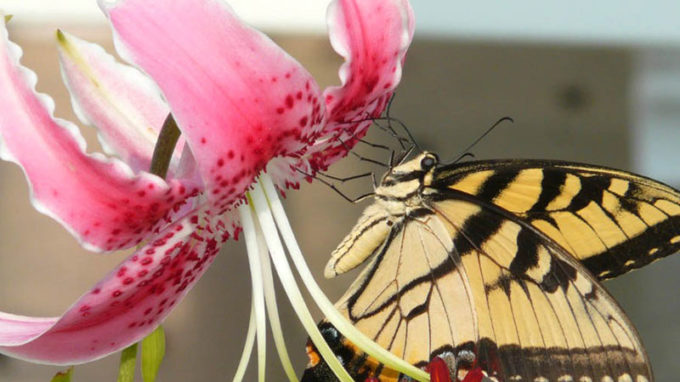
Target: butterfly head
{"type": "Point", "coordinates": [408, 178]}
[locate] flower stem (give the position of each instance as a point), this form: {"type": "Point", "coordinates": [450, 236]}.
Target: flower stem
{"type": "Point", "coordinates": [63, 376]}
{"type": "Point", "coordinates": [287, 278]}
{"type": "Point", "coordinates": [153, 352]}
{"type": "Point", "coordinates": [341, 323]}
{"type": "Point", "coordinates": [165, 146]}
{"type": "Point", "coordinates": [128, 361]}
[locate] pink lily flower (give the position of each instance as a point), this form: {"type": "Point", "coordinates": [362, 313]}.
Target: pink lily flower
{"type": "Point", "coordinates": [250, 118]}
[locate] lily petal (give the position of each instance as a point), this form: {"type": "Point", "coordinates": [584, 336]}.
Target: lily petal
{"type": "Point", "coordinates": [126, 305]}
{"type": "Point", "coordinates": [123, 104]}
{"type": "Point", "coordinates": [237, 97]}
{"type": "Point", "coordinates": [372, 36]}
{"type": "Point", "coordinates": [99, 200]}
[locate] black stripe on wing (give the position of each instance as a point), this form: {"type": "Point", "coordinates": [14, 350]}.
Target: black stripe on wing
{"type": "Point", "coordinates": [582, 191]}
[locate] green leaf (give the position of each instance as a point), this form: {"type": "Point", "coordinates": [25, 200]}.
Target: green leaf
{"type": "Point", "coordinates": [128, 360]}
{"type": "Point", "coordinates": [153, 351]}
{"type": "Point", "coordinates": [63, 376]}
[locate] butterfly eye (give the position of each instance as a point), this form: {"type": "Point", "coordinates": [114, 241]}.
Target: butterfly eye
{"type": "Point", "coordinates": [428, 162]}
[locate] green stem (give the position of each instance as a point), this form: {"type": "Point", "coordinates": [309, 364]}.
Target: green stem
{"type": "Point", "coordinates": [128, 362]}
{"type": "Point", "coordinates": [63, 376]}
{"type": "Point", "coordinates": [165, 146]}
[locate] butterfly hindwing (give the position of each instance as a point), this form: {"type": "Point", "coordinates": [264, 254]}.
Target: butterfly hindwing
{"type": "Point", "coordinates": [397, 293]}
{"type": "Point", "coordinates": [546, 318]}
{"type": "Point", "coordinates": [445, 281]}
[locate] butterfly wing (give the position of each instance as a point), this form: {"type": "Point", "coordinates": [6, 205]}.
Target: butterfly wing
{"type": "Point", "coordinates": [545, 318]}
{"type": "Point", "coordinates": [610, 220]}
{"type": "Point", "coordinates": [444, 281]}
{"type": "Point", "coordinates": [500, 261]}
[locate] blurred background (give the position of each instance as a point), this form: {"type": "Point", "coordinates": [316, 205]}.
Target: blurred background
{"type": "Point", "coordinates": [597, 83]}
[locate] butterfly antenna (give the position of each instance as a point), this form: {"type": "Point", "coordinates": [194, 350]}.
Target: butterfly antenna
{"type": "Point", "coordinates": [334, 188]}
{"type": "Point", "coordinates": [465, 152]}
{"type": "Point", "coordinates": [463, 156]}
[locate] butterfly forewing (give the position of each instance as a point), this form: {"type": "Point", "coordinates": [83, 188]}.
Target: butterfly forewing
{"type": "Point", "coordinates": [612, 221]}
{"type": "Point", "coordinates": [549, 320]}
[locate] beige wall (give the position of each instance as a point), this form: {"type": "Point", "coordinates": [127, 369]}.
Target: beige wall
{"type": "Point", "coordinates": [568, 103]}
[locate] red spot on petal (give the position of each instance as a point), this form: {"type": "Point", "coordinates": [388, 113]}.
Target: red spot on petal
{"type": "Point", "coordinates": [116, 293]}
{"type": "Point", "coordinates": [289, 101]}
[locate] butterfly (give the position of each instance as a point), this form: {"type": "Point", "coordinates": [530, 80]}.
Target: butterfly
{"type": "Point", "coordinates": [496, 265]}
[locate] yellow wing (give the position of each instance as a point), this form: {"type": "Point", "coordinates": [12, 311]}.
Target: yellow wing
{"type": "Point", "coordinates": [610, 220]}
{"type": "Point", "coordinates": [499, 260]}
{"type": "Point", "coordinates": [425, 294]}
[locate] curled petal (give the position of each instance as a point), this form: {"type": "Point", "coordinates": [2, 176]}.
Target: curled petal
{"type": "Point", "coordinates": [237, 97]}
{"type": "Point", "coordinates": [124, 105]}
{"type": "Point", "coordinates": [101, 201]}
{"type": "Point", "coordinates": [126, 305]}
{"type": "Point", "coordinates": [372, 36]}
